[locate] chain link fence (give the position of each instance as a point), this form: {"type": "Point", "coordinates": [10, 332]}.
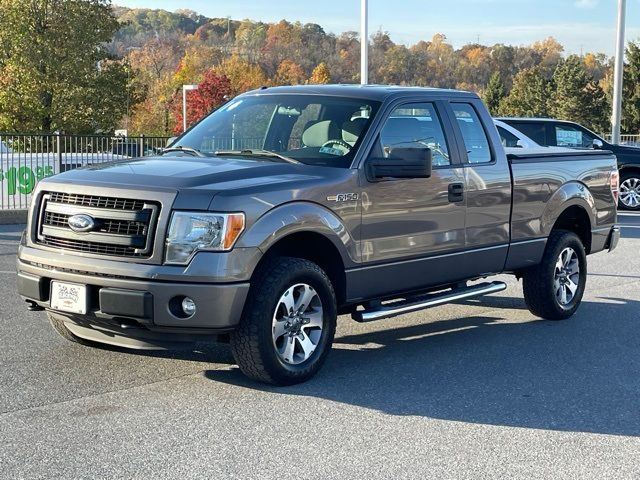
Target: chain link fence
{"type": "Point", "coordinates": [27, 159]}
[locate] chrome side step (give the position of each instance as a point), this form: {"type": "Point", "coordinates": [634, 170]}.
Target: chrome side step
{"type": "Point", "coordinates": [431, 300]}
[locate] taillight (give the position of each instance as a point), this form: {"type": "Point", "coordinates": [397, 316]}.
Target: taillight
{"type": "Point", "coordinates": [614, 182]}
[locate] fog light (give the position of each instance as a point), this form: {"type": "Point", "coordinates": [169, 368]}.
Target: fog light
{"type": "Point", "coordinates": [188, 306]}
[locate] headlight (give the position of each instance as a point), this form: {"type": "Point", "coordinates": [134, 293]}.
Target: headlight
{"type": "Point", "coordinates": [190, 232]}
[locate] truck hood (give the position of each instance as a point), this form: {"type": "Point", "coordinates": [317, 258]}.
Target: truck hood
{"type": "Point", "coordinates": [197, 180]}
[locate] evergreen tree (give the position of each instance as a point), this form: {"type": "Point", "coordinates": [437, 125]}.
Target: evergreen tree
{"type": "Point", "coordinates": [494, 93]}
{"type": "Point", "coordinates": [576, 96]}
{"type": "Point", "coordinates": [529, 96]}
{"type": "Point", "coordinates": [631, 90]}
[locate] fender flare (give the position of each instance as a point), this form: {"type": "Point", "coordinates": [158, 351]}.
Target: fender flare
{"type": "Point", "coordinates": [295, 217]}
{"type": "Point", "coordinates": [568, 195]}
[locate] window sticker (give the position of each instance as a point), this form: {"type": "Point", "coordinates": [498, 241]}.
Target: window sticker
{"type": "Point", "coordinates": [568, 138]}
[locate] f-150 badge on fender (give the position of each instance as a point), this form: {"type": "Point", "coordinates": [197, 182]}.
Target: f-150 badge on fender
{"type": "Point", "coordinates": [343, 197]}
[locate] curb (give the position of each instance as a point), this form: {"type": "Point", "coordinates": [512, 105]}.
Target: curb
{"type": "Point", "coordinates": [13, 217]}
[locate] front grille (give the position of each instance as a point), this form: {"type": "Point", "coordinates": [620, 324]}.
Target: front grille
{"type": "Point", "coordinates": [97, 202]}
{"type": "Point", "coordinates": [121, 227]}
{"type": "Point", "coordinates": [90, 247]}
{"type": "Point", "coordinates": [118, 227]}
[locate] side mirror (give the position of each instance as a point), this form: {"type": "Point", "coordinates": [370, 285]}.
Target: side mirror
{"type": "Point", "coordinates": [170, 140]}
{"type": "Point", "coordinates": [520, 143]}
{"type": "Point", "coordinates": [597, 144]}
{"type": "Point", "coordinates": [401, 163]}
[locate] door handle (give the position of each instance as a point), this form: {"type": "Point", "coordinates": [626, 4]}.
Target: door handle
{"type": "Point", "coordinates": [456, 192]}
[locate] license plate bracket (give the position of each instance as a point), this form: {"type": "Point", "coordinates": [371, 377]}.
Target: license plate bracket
{"type": "Point", "coordinates": [69, 297]}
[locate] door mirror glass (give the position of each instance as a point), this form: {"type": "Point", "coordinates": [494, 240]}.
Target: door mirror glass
{"type": "Point", "coordinates": [170, 141]}
{"type": "Point", "coordinates": [597, 144]}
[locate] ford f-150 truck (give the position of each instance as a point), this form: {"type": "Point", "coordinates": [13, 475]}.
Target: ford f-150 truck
{"type": "Point", "coordinates": [291, 205]}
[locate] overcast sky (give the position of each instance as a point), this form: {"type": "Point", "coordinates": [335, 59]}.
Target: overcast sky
{"type": "Point", "coordinates": [580, 25]}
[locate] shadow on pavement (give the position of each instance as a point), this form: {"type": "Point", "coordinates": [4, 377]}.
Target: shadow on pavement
{"type": "Point", "coordinates": [576, 375]}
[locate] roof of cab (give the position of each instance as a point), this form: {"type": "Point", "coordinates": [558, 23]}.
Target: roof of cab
{"type": "Point", "coordinates": [371, 92]}
{"type": "Point", "coordinates": [531, 119]}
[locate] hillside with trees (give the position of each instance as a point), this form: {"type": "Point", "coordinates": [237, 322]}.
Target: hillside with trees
{"type": "Point", "coordinates": [124, 68]}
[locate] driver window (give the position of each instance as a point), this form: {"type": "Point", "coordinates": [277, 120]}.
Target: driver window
{"type": "Point", "coordinates": [415, 125]}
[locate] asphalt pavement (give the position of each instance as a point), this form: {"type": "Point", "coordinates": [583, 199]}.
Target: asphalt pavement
{"type": "Point", "coordinates": [476, 389]}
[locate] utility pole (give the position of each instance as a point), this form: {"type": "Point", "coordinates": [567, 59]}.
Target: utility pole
{"type": "Point", "coordinates": [364, 43]}
{"type": "Point", "coordinates": [185, 89]}
{"type": "Point", "coordinates": [618, 75]}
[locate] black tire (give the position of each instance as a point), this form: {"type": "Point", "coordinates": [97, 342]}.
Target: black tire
{"type": "Point", "coordinates": [538, 283]}
{"type": "Point", "coordinates": [634, 179]}
{"type": "Point", "coordinates": [58, 325]}
{"type": "Point", "coordinates": [252, 342]}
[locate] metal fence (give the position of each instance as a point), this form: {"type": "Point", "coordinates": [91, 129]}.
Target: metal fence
{"type": "Point", "coordinates": [27, 159]}
{"type": "Point", "coordinates": [633, 140]}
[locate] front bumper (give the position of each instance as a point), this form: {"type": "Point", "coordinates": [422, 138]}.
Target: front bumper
{"type": "Point", "coordinates": [126, 308]}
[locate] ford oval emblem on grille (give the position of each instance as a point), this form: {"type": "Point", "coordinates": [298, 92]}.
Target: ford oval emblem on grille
{"type": "Point", "coordinates": [81, 223]}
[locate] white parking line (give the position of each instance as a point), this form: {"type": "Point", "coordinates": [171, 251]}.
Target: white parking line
{"type": "Point", "coordinates": [7, 271]}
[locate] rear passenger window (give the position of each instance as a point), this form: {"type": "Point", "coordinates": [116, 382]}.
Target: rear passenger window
{"type": "Point", "coordinates": [535, 131]}
{"type": "Point", "coordinates": [415, 125]}
{"type": "Point", "coordinates": [473, 134]}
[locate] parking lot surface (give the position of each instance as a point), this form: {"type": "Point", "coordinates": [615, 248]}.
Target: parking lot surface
{"type": "Point", "coordinates": [476, 389]}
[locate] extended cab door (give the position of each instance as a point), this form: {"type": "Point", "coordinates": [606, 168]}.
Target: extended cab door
{"type": "Point", "coordinates": [409, 226]}
{"type": "Point", "coordinates": [488, 187]}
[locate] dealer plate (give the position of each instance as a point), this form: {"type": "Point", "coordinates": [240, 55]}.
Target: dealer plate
{"type": "Point", "coordinates": [69, 297]}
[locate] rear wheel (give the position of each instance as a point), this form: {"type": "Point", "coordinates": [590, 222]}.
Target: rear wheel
{"type": "Point", "coordinates": [288, 324]}
{"type": "Point", "coordinates": [630, 191]}
{"type": "Point", "coordinates": [554, 289]}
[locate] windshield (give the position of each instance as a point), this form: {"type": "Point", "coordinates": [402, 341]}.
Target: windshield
{"type": "Point", "coordinates": [311, 129]}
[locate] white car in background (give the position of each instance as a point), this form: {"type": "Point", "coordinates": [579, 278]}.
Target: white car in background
{"type": "Point", "coordinates": [513, 138]}
{"type": "Point", "coordinates": [4, 148]}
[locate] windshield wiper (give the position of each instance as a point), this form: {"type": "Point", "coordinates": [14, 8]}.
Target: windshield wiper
{"type": "Point", "coordinates": [257, 153]}
{"type": "Point", "coordinates": [191, 151]}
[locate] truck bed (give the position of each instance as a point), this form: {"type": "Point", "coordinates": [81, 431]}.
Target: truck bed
{"type": "Point", "coordinates": [538, 191]}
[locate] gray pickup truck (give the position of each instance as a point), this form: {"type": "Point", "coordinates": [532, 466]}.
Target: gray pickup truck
{"type": "Point", "coordinates": [291, 205]}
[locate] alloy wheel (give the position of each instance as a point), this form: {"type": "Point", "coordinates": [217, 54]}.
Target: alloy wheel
{"type": "Point", "coordinates": [630, 192]}
{"type": "Point", "coordinates": [567, 276]}
{"type": "Point", "coordinates": [297, 324]}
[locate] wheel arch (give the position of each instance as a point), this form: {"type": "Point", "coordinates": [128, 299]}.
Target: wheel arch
{"type": "Point", "coordinates": [571, 207]}
{"type": "Point", "coordinates": [576, 219]}
{"type": "Point", "coordinates": [629, 168]}
{"type": "Point", "coordinates": [305, 230]}
{"type": "Point", "coordinates": [316, 248]}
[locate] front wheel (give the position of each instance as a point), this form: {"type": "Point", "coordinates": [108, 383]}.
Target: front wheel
{"type": "Point", "coordinates": [554, 289]}
{"type": "Point", "coordinates": [58, 325]}
{"type": "Point", "coordinates": [288, 324]}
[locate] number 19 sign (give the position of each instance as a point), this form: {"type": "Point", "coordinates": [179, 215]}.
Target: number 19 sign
{"type": "Point", "coordinates": [19, 174]}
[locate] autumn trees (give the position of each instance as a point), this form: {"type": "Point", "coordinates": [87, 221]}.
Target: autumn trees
{"type": "Point", "coordinates": [86, 66]}
{"type": "Point", "coordinates": [213, 91]}
{"type": "Point", "coordinates": [54, 70]}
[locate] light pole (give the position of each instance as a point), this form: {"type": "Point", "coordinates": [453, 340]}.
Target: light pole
{"type": "Point", "coordinates": [129, 49]}
{"type": "Point", "coordinates": [618, 74]}
{"type": "Point", "coordinates": [186, 88]}
{"type": "Point", "coordinates": [364, 43]}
